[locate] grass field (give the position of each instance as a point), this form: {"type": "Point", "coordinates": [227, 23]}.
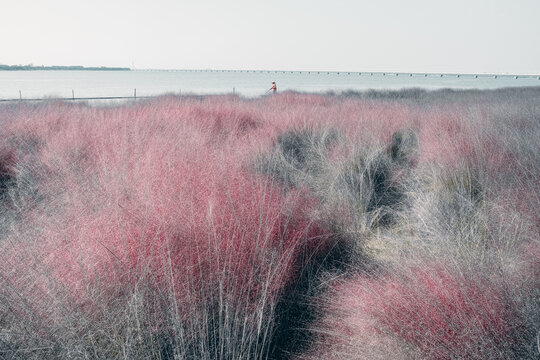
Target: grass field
{"type": "Point", "coordinates": [375, 225]}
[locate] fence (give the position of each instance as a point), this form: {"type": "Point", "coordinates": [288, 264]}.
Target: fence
{"type": "Point", "coordinates": [73, 98]}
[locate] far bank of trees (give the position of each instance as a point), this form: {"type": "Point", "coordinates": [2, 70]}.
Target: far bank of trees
{"type": "Point", "coordinates": [57, 67]}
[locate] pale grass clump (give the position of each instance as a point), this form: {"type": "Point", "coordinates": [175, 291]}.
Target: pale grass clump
{"type": "Point", "coordinates": [461, 253]}
{"type": "Point", "coordinates": [360, 187]}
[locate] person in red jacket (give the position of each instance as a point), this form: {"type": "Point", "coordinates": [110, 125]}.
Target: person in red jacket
{"type": "Point", "coordinates": [273, 89]}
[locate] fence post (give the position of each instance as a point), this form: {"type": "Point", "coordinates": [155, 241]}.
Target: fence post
{"type": "Point", "coordinates": [233, 91]}
{"type": "Point", "coordinates": [135, 93]}
{"type": "Point", "coordinates": [72, 94]}
{"type": "Point", "coordinates": [20, 95]}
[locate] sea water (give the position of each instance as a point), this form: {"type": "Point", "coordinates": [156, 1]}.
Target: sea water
{"type": "Point", "coordinates": [252, 83]}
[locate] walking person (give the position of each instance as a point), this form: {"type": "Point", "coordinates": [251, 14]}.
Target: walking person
{"type": "Point", "coordinates": [273, 89]}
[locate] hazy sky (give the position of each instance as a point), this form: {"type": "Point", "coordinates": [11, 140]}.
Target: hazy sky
{"type": "Point", "coordinates": [343, 35]}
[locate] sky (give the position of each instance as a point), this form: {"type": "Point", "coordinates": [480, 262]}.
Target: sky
{"type": "Point", "coordinates": [461, 36]}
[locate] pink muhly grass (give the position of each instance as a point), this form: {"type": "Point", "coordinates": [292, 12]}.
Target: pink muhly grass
{"type": "Point", "coordinates": [148, 220]}
{"type": "Point", "coordinates": [168, 206]}
{"type": "Point", "coordinates": [134, 211]}
{"type": "Point", "coordinates": [429, 310]}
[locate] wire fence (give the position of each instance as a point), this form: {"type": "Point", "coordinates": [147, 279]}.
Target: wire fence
{"type": "Point", "coordinates": [79, 98]}
{"type": "Point", "coordinates": [73, 98]}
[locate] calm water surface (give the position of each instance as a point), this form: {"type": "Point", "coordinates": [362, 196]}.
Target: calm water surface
{"type": "Point", "coordinates": [39, 84]}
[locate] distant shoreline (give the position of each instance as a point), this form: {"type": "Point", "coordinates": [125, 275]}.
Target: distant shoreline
{"type": "Point", "coordinates": [57, 67]}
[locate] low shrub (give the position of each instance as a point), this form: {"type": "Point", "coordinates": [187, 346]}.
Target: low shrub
{"type": "Point", "coordinates": [299, 158]}
{"type": "Point", "coordinates": [7, 162]}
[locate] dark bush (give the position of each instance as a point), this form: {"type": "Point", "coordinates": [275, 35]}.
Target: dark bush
{"type": "Point", "coordinates": [369, 185]}
{"type": "Point", "coordinates": [7, 175]}
{"type": "Point", "coordinates": [305, 148]}
{"type": "Point", "coordinates": [404, 147]}
{"type": "Point", "coordinates": [298, 155]}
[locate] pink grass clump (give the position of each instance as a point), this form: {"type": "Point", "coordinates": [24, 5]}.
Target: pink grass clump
{"type": "Point", "coordinates": [428, 310]}
{"type": "Point", "coordinates": [171, 201]}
